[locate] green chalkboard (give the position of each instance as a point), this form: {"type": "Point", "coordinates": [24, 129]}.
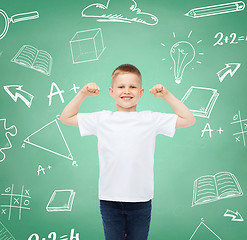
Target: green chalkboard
{"type": "Point", "coordinates": [49, 173]}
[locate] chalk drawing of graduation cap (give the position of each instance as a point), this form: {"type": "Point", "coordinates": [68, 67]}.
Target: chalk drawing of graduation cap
{"type": "Point", "coordinates": [124, 11]}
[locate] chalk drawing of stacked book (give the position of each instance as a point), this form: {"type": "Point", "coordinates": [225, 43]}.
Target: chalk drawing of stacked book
{"type": "Point", "coordinates": [211, 188]}
{"type": "Point", "coordinates": [30, 57]}
{"type": "Point", "coordinates": [200, 100]}
{"type": "Point", "coordinates": [61, 200]}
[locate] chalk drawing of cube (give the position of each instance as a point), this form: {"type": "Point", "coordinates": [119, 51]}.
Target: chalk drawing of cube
{"type": "Point", "coordinates": [87, 45]}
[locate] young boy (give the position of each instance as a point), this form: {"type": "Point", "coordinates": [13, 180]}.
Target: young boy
{"type": "Point", "coordinates": [126, 143]}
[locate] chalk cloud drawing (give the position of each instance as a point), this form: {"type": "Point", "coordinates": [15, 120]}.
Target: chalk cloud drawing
{"type": "Point", "coordinates": [50, 138]}
{"type": "Point", "coordinates": [200, 100]}
{"type": "Point", "coordinates": [111, 12]}
{"type": "Point", "coordinates": [87, 45]}
{"type": "Point", "coordinates": [236, 216]}
{"type": "Point", "coordinates": [15, 201]}
{"type": "Point", "coordinates": [4, 138]}
{"type": "Point", "coordinates": [216, 9]}
{"type": "Point", "coordinates": [4, 233]}
{"type": "Point", "coordinates": [204, 232]}
{"type": "Point", "coordinates": [241, 129]}
{"type": "Point", "coordinates": [230, 69]}
{"type": "Point", "coordinates": [61, 200]}
{"type": "Point", "coordinates": [30, 57]}
{"type": "Point", "coordinates": [15, 18]}
{"type": "Point", "coordinates": [15, 92]}
{"type": "Point", "coordinates": [212, 188]}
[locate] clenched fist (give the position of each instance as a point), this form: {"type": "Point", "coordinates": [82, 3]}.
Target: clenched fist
{"type": "Point", "coordinates": [91, 89]}
{"type": "Point", "coordinates": [159, 91]}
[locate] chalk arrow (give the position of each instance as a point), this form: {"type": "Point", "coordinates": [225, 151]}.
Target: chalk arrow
{"type": "Point", "coordinates": [230, 68]}
{"type": "Point", "coordinates": [235, 215]}
{"type": "Point", "coordinates": [16, 92]}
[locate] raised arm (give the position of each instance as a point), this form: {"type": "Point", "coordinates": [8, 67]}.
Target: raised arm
{"type": "Point", "coordinates": [69, 114]}
{"type": "Point", "coordinates": [185, 116]}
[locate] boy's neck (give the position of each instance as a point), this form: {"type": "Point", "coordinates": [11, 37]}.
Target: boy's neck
{"type": "Point", "coordinates": [122, 109]}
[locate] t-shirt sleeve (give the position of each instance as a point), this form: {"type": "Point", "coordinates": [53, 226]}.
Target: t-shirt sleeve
{"type": "Point", "coordinates": [88, 123]}
{"type": "Point", "coordinates": [164, 123]}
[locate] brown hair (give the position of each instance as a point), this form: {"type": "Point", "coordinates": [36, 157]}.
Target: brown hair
{"type": "Point", "coordinates": [125, 68]}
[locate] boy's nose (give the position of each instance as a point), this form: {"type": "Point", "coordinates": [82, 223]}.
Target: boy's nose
{"type": "Point", "coordinates": [126, 90]}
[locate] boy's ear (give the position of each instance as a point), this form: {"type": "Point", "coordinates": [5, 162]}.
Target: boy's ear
{"type": "Point", "coordinates": [111, 91]}
{"type": "Point", "coordinates": [141, 92]}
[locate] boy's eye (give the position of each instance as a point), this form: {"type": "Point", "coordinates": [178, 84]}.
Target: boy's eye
{"type": "Point", "coordinates": [120, 86]}
{"type": "Point", "coordinates": [133, 87]}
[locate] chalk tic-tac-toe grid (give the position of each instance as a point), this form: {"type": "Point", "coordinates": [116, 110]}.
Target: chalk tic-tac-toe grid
{"type": "Point", "coordinates": [240, 126]}
{"type": "Point", "coordinates": [12, 202]}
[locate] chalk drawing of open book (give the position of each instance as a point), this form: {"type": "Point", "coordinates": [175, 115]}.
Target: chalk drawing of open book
{"type": "Point", "coordinates": [211, 188]}
{"type": "Point", "coordinates": [31, 57]}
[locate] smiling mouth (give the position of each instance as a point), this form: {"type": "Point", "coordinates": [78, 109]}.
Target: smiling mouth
{"type": "Point", "coordinates": [126, 98]}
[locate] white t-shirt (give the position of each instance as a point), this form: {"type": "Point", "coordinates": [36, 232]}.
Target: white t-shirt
{"type": "Point", "coordinates": [126, 144]}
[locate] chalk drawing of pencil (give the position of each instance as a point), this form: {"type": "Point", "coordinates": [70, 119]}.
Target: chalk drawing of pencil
{"type": "Point", "coordinates": [216, 9]}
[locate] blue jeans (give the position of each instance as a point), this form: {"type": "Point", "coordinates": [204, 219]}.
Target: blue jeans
{"type": "Point", "coordinates": [126, 220]}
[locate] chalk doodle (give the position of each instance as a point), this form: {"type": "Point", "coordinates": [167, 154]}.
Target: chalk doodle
{"type": "Point", "coordinates": [52, 93]}
{"type": "Point", "coordinates": [15, 92]}
{"type": "Point", "coordinates": [111, 13]}
{"type": "Point", "coordinates": [200, 100]}
{"type": "Point", "coordinates": [15, 18]}
{"type": "Point", "coordinates": [41, 169]}
{"type": "Point", "coordinates": [208, 129]}
{"type": "Point", "coordinates": [212, 188]}
{"type": "Point", "coordinates": [182, 54]}
{"type": "Point", "coordinates": [5, 234]}
{"type": "Point", "coordinates": [4, 139]}
{"type": "Point", "coordinates": [230, 69]}
{"type": "Point", "coordinates": [61, 200]}
{"type": "Point", "coordinates": [216, 9]}
{"type": "Point", "coordinates": [241, 128]}
{"type": "Point", "coordinates": [236, 216]}
{"type": "Point", "coordinates": [53, 235]}
{"type": "Point", "coordinates": [231, 39]}
{"type": "Point", "coordinates": [87, 45]}
{"type": "Point", "coordinates": [50, 138]}
{"type": "Point", "coordinates": [13, 201]}
{"type": "Point", "coordinates": [204, 232]}
{"type": "Point", "coordinates": [30, 57]}
{"type": "Point", "coordinates": [74, 88]}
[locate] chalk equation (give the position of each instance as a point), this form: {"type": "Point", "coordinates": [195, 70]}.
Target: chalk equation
{"type": "Point", "coordinates": [53, 236]}
{"type": "Point", "coordinates": [233, 38]}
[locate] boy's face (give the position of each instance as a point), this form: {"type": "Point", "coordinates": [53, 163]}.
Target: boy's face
{"type": "Point", "coordinates": [126, 91]}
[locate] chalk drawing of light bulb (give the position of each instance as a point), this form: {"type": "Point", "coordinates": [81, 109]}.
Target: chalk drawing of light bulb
{"type": "Point", "coordinates": [182, 53]}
